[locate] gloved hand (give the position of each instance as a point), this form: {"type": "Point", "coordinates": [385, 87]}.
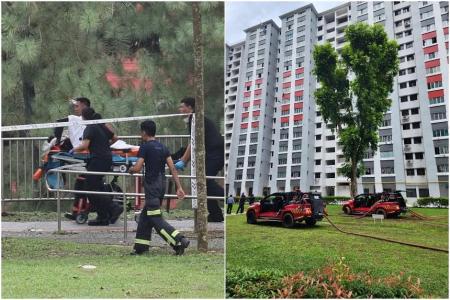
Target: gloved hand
{"type": "Point", "coordinates": [71, 151]}
{"type": "Point", "coordinates": [180, 165]}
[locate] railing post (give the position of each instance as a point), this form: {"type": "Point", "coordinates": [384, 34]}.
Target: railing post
{"type": "Point", "coordinates": [58, 202]}
{"type": "Point", "coordinates": [125, 217]}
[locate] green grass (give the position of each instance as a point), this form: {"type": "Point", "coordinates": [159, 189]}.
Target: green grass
{"type": "Point", "coordinates": [42, 268]}
{"type": "Point", "coordinates": [272, 247]}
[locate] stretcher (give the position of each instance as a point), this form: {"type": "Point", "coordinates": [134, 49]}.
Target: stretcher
{"type": "Point", "coordinates": [123, 156]}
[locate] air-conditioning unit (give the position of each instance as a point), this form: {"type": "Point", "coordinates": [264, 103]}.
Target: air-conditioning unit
{"type": "Point", "coordinates": [407, 25]}
{"type": "Point", "coordinates": [405, 118]}
{"type": "Point", "coordinates": [409, 162]}
{"type": "Point", "coordinates": [407, 147]}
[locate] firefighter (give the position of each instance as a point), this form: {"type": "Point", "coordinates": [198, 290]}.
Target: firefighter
{"type": "Point", "coordinates": [155, 156]}
{"type": "Point", "coordinates": [214, 159]}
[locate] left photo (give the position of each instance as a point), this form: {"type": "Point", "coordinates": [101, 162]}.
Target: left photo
{"type": "Point", "coordinates": [112, 150]}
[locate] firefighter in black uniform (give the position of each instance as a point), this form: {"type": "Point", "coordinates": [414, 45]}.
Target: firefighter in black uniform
{"type": "Point", "coordinates": [214, 159]}
{"type": "Point", "coordinates": [155, 156]}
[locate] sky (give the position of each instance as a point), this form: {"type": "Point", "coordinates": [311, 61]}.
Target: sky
{"type": "Point", "coordinates": [242, 15]}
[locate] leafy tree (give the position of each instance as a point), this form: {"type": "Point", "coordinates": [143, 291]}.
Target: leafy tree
{"type": "Point", "coordinates": [353, 96]}
{"type": "Point", "coordinates": [54, 51]}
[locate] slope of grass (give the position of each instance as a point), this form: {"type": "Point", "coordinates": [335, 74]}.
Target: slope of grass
{"type": "Point", "coordinates": [272, 247]}
{"type": "Point", "coordinates": [38, 268]}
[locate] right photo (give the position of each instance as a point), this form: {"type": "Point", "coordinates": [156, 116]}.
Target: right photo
{"type": "Point", "coordinates": [336, 149]}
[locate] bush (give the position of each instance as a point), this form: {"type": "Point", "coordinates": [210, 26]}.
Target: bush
{"type": "Point", "coordinates": [333, 281]}
{"type": "Point", "coordinates": [335, 199]}
{"type": "Point", "coordinates": [432, 201]}
{"type": "Point", "coordinates": [246, 283]}
{"type": "Point", "coordinates": [337, 281]}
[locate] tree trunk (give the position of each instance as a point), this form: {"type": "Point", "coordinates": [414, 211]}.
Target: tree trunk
{"type": "Point", "coordinates": [202, 222]}
{"type": "Point", "coordinates": [28, 92]}
{"type": "Point", "coordinates": [353, 178]}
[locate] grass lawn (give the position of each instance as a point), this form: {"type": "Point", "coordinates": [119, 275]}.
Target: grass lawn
{"type": "Point", "coordinates": [272, 247]}
{"type": "Point", "coordinates": [43, 268]}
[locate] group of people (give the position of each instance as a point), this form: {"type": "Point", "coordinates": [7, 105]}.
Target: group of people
{"type": "Point", "coordinates": [242, 200]}
{"type": "Point", "coordinates": [153, 156]}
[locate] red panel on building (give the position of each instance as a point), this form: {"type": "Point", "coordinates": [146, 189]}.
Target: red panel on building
{"type": "Point", "coordinates": [245, 115]}
{"type": "Point", "coordinates": [445, 30]}
{"type": "Point", "coordinates": [259, 81]}
{"type": "Point", "coordinates": [286, 96]}
{"type": "Point", "coordinates": [244, 125]}
{"type": "Point", "coordinates": [286, 74]}
{"type": "Point", "coordinates": [286, 85]}
{"type": "Point", "coordinates": [430, 49]}
{"type": "Point", "coordinates": [248, 83]}
{"type": "Point", "coordinates": [255, 124]}
{"type": "Point", "coordinates": [298, 117]}
{"type": "Point", "coordinates": [257, 102]}
{"type": "Point", "coordinates": [246, 104]}
{"type": "Point", "coordinates": [429, 35]}
{"type": "Point", "coordinates": [284, 119]}
{"type": "Point", "coordinates": [258, 92]}
{"type": "Point", "coordinates": [434, 94]}
{"type": "Point", "coordinates": [432, 63]}
{"type": "Point", "coordinates": [299, 82]}
{"type": "Point", "coordinates": [298, 105]}
{"type": "Point", "coordinates": [299, 93]}
{"type": "Point", "coordinates": [300, 70]}
{"type": "Point", "coordinates": [434, 78]}
{"type": "Point", "coordinates": [285, 107]}
{"type": "Point", "coordinates": [256, 113]}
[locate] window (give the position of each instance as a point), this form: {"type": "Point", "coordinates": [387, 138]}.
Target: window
{"type": "Point", "coordinates": [318, 162]}
{"type": "Point", "coordinates": [429, 27]}
{"type": "Point", "coordinates": [385, 138]}
{"type": "Point", "coordinates": [330, 150]}
{"type": "Point", "coordinates": [416, 125]}
{"type": "Point", "coordinates": [419, 155]}
{"type": "Point", "coordinates": [410, 172]}
{"type": "Point", "coordinates": [331, 175]}
{"type": "Point", "coordinates": [441, 150]}
{"type": "Point", "coordinates": [437, 100]}
{"type": "Point", "coordinates": [316, 175]}
{"type": "Point", "coordinates": [415, 111]}
{"type": "Point", "coordinates": [407, 141]}
{"type": "Point", "coordinates": [412, 83]}
{"type": "Point", "coordinates": [406, 126]}
{"type": "Point", "coordinates": [434, 84]}
{"type": "Point", "coordinates": [411, 192]}
{"type": "Point", "coordinates": [433, 70]}
{"type": "Point", "coordinates": [417, 140]}
{"type": "Point", "coordinates": [408, 156]}
{"type": "Point", "coordinates": [431, 55]}
{"type": "Point", "coordinates": [438, 116]}
{"type": "Point", "coordinates": [318, 137]}
{"type": "Point", "coordinates": [424, 193]}
{"type": "Point", "coordinates": [420, 171]}
{"type": "Point", "coordinates": [413, 97]}
{"type": "Point", "coordinates": [429, 42]}
{"type": "Point", "coordinates": [318, 149]}
{"type": "Point", "coordinates": [440, 132]}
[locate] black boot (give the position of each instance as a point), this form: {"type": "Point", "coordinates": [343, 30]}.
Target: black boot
{"type": "Point", "coordinates": [98, 222]}
{"type": "Point", "coordinates": [180, 246]}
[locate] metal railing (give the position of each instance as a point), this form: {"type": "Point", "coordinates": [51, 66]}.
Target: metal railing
{"type": "Point", "coordinates": [22, 156]}
{"type": "Point", "coordinates": [124, 193]}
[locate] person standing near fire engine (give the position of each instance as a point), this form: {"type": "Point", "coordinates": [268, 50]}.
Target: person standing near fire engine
{"type": "Point", "coordinates": [155, 156]}
{"type": "Point", "coordinates": [214, 158]}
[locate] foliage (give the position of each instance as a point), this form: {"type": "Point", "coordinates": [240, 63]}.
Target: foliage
{"type": "Point", "coordinates": [248, 283]}
{"type": "Point", "coordinates": [338, 281]}
{"type": "Point", "coordinates": [432, 201]}
{"type": "Point", "coordinates": [356, 107]}
{"type": "Point", "coordinates": [55, 51]}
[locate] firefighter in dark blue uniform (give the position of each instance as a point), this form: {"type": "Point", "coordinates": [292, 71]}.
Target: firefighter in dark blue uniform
{"type": "Point", "coordinates": [155, 156]}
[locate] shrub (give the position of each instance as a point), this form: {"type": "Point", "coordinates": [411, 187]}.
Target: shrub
{"type": "Point", "coordinates": [333, 281]}
{"type": "Point", "coordinates": [432, 201]}
{"type": "Point", "coordinates": [337, 281]}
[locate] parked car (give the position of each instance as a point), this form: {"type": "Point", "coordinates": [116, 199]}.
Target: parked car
{"type": "Point", "coordinates": [388, 204]}
{"type": "Point", "coordinates": [288, 208]}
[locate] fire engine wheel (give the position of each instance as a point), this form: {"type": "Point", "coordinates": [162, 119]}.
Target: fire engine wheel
{"type": "Point", "coordinates": [347, 210]}
{"type": "Point", "coordinates": [310, 221]}
{"type": "Point", "coordinates": [288, 220]}
{"type": "Point", "coordinates": [251, 217]}
{"type": "Point", "coordinates": [381, 211]}
{"type": "Point", "coordinates": [81, 218]}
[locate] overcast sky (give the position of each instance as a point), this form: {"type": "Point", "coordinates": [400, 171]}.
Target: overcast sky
{"type": "Point", "coordinates": [242, 15]}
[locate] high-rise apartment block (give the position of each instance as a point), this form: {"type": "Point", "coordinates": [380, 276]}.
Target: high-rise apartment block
{"type": "Point", "coordinates": [275, 136]}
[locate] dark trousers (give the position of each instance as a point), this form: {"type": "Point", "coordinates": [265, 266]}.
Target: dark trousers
{"type": "Point", "coordinates": [151, 217]}
{"type": "Point", "coordinates": [229, 208]}
{"type": "Point", "coordinates": [101, 203]}
{"type": "Point", "coordinates": [240, 208]}
{"type": "Point", "coordinates": [214, 163]}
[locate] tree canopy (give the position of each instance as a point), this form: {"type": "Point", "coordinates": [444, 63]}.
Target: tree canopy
{"type": "Point", "coordinates": [53, 51]}
{"type": "Point", "coordinates": [354, 90]}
